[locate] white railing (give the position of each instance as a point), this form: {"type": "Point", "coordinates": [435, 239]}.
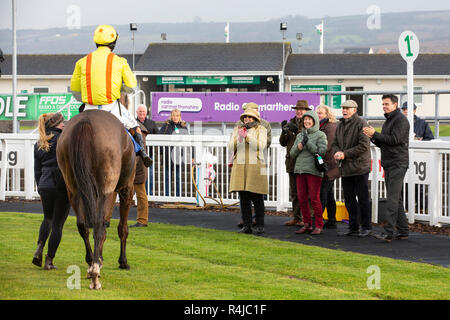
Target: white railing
{"type": "Point", "coordinates": [193, 156]}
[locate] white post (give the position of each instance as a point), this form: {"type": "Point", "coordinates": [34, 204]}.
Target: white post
{"type": "Point", "coordinates": [408, 45]}
{"type": "Point", "coordinates": [321, 39]}
{"type": "Point", "coordinates": [435, 189]}
{"type": "Point", "coordinates": [29, 170]}
{"type": "Point", "coordinates": [133, 49]}
{"type": "Point", "coordinates": [227, 33]}
{"type": "Point", "coordinates": [410, 85]}
{"type": "Point", "coordinates": [374, 185]}
{"type": "Point", "coordinates": [4, 162]}
{"type": "Point", "coordinates": [14, 68]}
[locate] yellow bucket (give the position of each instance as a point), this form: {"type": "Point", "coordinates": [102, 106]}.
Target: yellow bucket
{"type": "Point", "coordinates": [341, 212]}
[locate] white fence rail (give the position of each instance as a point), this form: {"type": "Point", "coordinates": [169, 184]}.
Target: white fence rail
{"type": "Point", "coordinates": [179, 159]}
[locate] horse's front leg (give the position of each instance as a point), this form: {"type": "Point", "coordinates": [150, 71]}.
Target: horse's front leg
{"type": "Point", "coordinates": [126, 197]}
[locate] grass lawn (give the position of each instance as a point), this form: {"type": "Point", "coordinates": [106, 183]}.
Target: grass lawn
{"type": "Point", "coordinates": [174, 262]}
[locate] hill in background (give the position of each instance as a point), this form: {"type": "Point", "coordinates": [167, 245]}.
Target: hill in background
{"type": "Point", "coordinates": [432, 28]}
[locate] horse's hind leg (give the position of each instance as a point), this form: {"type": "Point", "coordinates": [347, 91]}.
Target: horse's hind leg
{"type": "Point", "coordinates": [99, 238]}
{"type": "Point", "coordinates": [108, 207]}
{"type": "Point", "coordinates": [126, 197]}
{"type": "Point", "coordinates": [83, 230]}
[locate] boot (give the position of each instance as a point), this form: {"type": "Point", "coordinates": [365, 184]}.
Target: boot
{"type": "Point", "coordinates": [305, 229]}
{"type": "Point", "coordinates": [147, 160]}
{"type": "Point", "coordinates": [37, 258]}
{"type": "Point", "coordinates": [49, 263]}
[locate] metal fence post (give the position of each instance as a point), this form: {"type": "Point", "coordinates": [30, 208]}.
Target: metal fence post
{"type": "Point", "coordinates": [374, 185]}
{"type": "Point", "coordinates": [4, 143]}
{"type": "Point", "coordinates": [436, 113]}
{"type": "Point", "coordinates": [366, 105]}
{"type": "Point", "coordinates": [433, 198]}
{"type": "Point", "coordinates": [283, 183]}
{"type": "Point", "coordinates": [28, 171]}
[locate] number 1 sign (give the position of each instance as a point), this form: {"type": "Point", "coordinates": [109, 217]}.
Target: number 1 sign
{"type": "Point", "coordinates": [408, 45]}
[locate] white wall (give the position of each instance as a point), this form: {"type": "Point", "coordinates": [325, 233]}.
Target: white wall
{"type": "Point", "coordinates": [54, 85]}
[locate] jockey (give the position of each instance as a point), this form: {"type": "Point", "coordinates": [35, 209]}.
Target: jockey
{"type": "Point", "coordinates": [97, 82]}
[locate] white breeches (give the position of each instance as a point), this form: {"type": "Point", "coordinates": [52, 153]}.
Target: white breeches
{"type": "Point", "coordinates": [127, 119]}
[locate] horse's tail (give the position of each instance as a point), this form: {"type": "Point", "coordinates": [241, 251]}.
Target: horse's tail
{"type": "Point", "coordinates": [81, 153]}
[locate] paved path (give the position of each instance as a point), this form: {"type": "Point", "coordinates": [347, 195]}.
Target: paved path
{"type": "Point", "coordinates": [419, 247]}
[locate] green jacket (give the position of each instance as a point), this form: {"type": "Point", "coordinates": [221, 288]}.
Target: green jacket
{"type": "Point", "coordinates": [317, 143]}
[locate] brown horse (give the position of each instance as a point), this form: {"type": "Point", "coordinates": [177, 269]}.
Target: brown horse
{"type": "Point", "coordinates": [97, 159]}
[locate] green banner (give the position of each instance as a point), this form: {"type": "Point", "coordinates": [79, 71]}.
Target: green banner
{"type": "Point", "coordinates": [244, 80]}
{"type": "Point", "coordinates": [336, 99]}
{"type": "Point", "coordinates": [31, 106]}
{"type": "Point", "coordinates": [206, 80]}
{"type": "Point", "coordinates": [211, 80]}
{"type": "Point", "coordinates": [170, 80]}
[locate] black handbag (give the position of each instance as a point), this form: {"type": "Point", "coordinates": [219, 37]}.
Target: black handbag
{"type": "Point", "coordinates": [319, 163]}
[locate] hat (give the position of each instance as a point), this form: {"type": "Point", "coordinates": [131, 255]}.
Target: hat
{"type": "Point", "coordinates": [405, 105]}
{"type": "Point", "coordinates": [252, 113]}
{"type": "Point", "coordinates": [349, 104]}
{"type": "Point", "coordinates": [54, 120]}
{"type": "Point", "coordinates": [105, 34]}
{"type": "Point", "coordinates": [302, 104]}
{"type": "Point", "coordinates": [250, 105]}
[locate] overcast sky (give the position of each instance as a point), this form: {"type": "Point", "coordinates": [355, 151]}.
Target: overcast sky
{"type": "Point", "coordinates": [43, 14]}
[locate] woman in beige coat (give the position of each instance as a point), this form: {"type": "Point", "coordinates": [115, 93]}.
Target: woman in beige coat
{"type": "Point", "coordinates": [249, 172]}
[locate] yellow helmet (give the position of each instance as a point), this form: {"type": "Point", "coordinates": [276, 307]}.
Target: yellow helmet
{"type": "Point", "coordinates": [105, 34]}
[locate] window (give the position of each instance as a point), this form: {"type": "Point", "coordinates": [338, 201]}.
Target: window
{"type": "Point", "coordinates": [418, 98]}
{"type": "Point", "coordinates": [40, 90]}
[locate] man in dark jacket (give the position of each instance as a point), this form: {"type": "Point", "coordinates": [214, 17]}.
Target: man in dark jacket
{"type": "Point", "coordinates": [351, 148]}
{"type": "Point", "coordinates": [393, 142]}
{"type": "Point", "coordinates": [422, 130]}
{"type": "Point", "coordinates": [287, 139]}
{"type": "Point", "coordinates": [139, 187]}
{"type": "Point", "coordinates": [152, 128]}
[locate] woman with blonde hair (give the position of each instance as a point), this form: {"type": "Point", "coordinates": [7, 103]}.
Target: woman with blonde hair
{"type": "Point", "coordinates": [327, 125]}
{"type": "Point", "coordinates": [51, 188]}
{"type": "Point", "coordinates": [173, 158]}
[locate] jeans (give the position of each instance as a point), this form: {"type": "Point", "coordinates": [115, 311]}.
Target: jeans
{"type": "Point", "coordinates": [308, 186]}
{"type": "Point", "coordinates": [246, 199]}
{"type": "Point", "coordinates": [358, 210]}
{"type": "Point", "coordinates": [327, 199]}
{"type": "Point", "coordinates": [395, 215]}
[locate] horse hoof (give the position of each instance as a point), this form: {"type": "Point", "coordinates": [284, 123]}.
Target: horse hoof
{"type": "Point", "coordinates": [124, 266]}
{"type": "Point", "coordinates": [95, 286]}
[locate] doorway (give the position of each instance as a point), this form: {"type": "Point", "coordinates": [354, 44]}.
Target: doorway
{"type": "Point", "coordinates": [358, 98]}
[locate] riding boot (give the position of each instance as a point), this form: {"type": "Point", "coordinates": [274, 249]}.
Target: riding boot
{"type": "Point", "coordinates": [49, 263]}
{"type": "Point", "coordinates": [37, 258]}
{"type": "Point", "coordinates": [147, 160]}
